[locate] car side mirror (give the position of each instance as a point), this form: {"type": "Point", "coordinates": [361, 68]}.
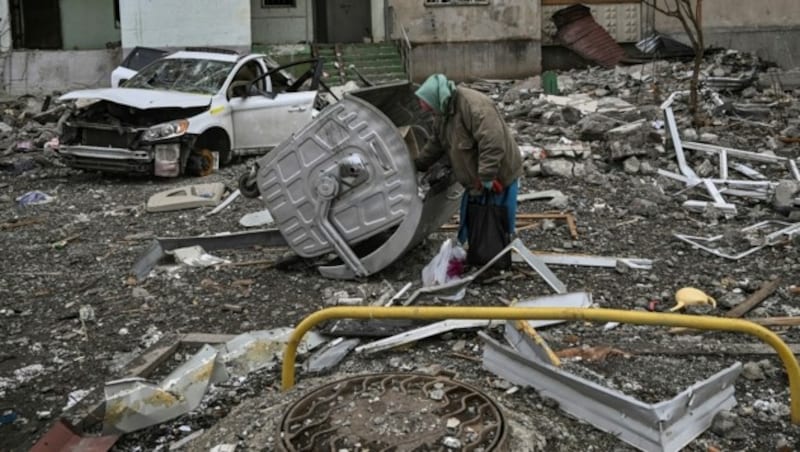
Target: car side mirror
{"type": "Point", "coordinates": [239, 91]}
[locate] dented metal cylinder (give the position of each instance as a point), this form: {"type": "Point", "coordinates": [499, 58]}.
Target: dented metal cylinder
{"type": "Point", "coordinates": [346, 183]}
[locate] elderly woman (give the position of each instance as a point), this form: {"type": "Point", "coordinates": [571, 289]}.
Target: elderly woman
{"type": "Point", "coordinates": [483, 154]}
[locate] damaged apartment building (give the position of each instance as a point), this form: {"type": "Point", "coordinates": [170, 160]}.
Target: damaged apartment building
{"type": "Point", "coordinates": [58, 45]}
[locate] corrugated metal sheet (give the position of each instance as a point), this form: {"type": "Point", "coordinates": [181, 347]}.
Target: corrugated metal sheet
{"type": "Point", "coordinates": [578, 31]}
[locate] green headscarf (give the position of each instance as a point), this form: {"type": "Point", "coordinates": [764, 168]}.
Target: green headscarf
{"type": "Point", "coordinates": [436, 92]}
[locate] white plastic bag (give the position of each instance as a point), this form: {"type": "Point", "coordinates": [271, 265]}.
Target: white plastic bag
{"type": "Point", "coordinates": [450, 256]}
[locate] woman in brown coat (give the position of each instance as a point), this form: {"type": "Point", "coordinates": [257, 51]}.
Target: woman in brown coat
{"type": "Point", "coordinates": [483, 154]}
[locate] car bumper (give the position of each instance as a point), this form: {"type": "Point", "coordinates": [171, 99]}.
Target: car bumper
{"type": "Point", "coordinates": [161, 160]}
{"type": "Point", "coordinates": [115, 160]}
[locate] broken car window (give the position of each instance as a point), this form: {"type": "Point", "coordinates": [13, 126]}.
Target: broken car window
{"type": "Point", "coordinates": [179, 74]}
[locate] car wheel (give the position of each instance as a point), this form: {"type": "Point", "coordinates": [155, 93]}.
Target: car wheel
{"type": "Point", "coordinates": [207, 165]}
{"type": "Point", "coordinates": [248, 186]}
{"type": "Point", "coordinates": [200, 163]}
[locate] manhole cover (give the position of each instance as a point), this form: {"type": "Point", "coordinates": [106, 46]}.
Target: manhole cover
{"type": "Point", "coordinates": [393, 412]}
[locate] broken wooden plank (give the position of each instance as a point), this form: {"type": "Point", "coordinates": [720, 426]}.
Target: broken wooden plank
{"type": "Point", "coordinates": [204, 338]}
{"type": "Point", "coordinates": [755, 299]}
{"type": "Point", "coordinates": [22, 222]}
{"type": "Point", "coordinates": [777, 321]}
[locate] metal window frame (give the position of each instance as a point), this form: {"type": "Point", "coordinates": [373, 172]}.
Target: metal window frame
{"type": "Point", "coordinates": [265, 4]}
{"type": "Point", "coordinates": [789, 231]}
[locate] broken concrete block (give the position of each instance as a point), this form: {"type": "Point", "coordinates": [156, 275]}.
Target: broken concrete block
{"type": "Point", "coordinates": [780, 80]}
{"type": "Point", "coordinates": [621, 150]}
{"type": "Point", "coordinates": [647, 168]}
{"type": "Point", "coordinates": [727, 424]}
{"type": "Point", "coordinates": [752, 371]}
{"type": "Point", "coordinates": [256, 219]}
{"type": "Point", "coordinates": [571, 114]}
{"type": "Point", "coordinates": [707, 137]}
{"type": "Point", "coordinates": [189, 197]}
{"type": "Point", "coordinates": [557, 167]}
{"type": "Point", "coordinates": [627, 130]}
{"type": "Point", "coordinates": [632, 165]}
{"type": "Point", "coordinates": [594, 127]}
{"type": "Point", "coordinates": [785, 193]}
{"type": "Point", "coordinates": [581, 169]}
{"type": "Point", "coordinates": [512, 96]}
{"type": "Point", "coordinates": [643, 207]}
{"type": "Point", "coordinates": [706, 168]}
{"type": "Point", "coordinates": [532, 169]}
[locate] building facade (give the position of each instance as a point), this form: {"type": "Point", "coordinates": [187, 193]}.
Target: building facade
{"type": "Point", "coordinates": [57, 45]}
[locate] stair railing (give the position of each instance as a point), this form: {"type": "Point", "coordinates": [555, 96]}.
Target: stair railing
{"type": "Point", "coordinates": [405, 52]}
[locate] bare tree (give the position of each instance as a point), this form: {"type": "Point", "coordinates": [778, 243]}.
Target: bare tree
{"type": "Point", "coordinates": [690, 15]}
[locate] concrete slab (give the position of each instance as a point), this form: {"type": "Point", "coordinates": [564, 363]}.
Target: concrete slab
{"type": "Point", "coordinates": [256, 219]}
{"type": "Point", "coordinates": [189, 197]}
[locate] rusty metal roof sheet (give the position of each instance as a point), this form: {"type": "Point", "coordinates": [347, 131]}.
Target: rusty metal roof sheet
{"type": "Point", "coordinates": [578, 31]}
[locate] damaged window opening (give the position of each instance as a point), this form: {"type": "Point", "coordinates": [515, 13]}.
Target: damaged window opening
{"type": "Point", "coordinates": [117, 19]}
{"type": "Point", "coordinates": [456, 2]}
{"type": "Point", "coordinates": [278, 3]}
{"type": "Point", "coordinates": [185, 75]}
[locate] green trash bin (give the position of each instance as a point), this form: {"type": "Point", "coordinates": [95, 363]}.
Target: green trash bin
{"type": "Point", "coordinates": [550, 82]}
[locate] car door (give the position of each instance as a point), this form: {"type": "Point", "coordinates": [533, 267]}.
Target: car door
{"type": "Point", "coordinates": [262, 120]}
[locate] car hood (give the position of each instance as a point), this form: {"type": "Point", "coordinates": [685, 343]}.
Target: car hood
{"type": "Point", "coordinates": [142, 99]}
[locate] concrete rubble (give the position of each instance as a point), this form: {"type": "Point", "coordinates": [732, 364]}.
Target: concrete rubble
{"type": "Point", "coordinates": [712, 204]}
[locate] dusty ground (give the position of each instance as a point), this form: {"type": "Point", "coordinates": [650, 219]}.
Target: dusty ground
{"type": "Point", "coordinates": [44, 284]}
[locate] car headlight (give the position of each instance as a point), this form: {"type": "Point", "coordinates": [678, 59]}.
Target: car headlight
{"type": "Point", "coordinates": [167, 130]}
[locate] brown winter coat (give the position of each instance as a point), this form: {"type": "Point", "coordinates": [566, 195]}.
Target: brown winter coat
{"type": "Point", "coordinates": [476, 139]}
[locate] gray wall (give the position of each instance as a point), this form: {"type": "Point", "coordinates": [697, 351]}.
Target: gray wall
{"type": "Point", "coordinates": [276, 25]}
{"type": "Point", "coordinates": [494, 39]}
{"type": "Point", "coordinates": [180, 23]}
{"type": "Point", "coordinates": [46, 71]}
{"type": "Point", "coordinates": [769, 28]}
{"type": "Point", "coordinates": [509, 59]}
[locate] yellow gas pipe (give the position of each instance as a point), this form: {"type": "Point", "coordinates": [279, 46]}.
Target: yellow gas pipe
{"type": "Point", "coordinates": [514, 313]}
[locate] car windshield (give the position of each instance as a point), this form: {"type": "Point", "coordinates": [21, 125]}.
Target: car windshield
{"type": "Point", "coordinates": [185, 75]}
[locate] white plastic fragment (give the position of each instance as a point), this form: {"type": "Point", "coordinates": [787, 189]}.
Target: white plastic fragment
{"type": "Point", "coordinates": [196, 256]}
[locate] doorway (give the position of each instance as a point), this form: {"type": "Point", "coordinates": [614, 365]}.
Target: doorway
{"type": "Point", "coordinates": [342, 21]}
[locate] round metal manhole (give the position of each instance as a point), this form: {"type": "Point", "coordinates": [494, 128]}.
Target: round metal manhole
{"type": "Point", "coordinates": [393, 413]}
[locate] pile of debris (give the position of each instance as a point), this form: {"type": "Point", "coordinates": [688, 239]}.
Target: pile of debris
{"type": "Point", "coordinates": [29, 132]}
{"type": "Point", "coordinates": [607, 137]}
{"type": "Point", "coordinates": [624, 117]}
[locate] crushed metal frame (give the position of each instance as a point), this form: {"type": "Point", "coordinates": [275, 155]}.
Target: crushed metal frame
{"type": "Point", "coordinates": [665, 426]}
{"type": "Point", "coordinates": [86, 415]}
{"type": "Point", "coordinates": [159, 247]}
{"type": "Point", "coordinates": [716, 187]}
{"type": "Point", "coordinates": [788, 232]}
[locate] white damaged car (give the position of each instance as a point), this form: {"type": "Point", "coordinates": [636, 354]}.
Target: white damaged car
{"type": "Point", "coordinates": [187, 112]}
